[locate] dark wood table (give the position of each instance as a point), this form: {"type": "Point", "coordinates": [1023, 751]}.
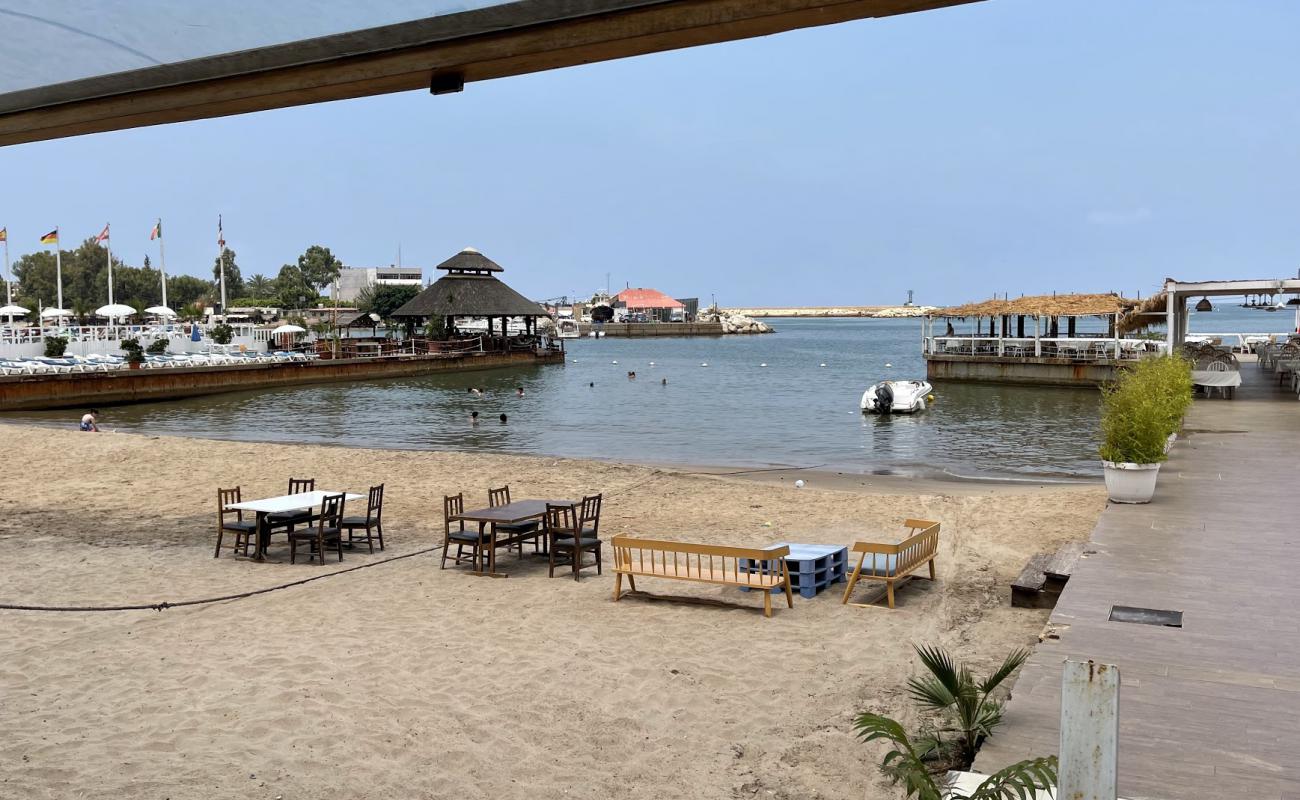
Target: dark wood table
{"type": "Point", "coordinates": [508, 514]}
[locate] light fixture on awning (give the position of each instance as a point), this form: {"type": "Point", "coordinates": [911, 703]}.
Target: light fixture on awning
{"type": "Point", "coordinates": [1204, 305]}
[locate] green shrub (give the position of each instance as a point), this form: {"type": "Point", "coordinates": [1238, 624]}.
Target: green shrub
{"type": "Point", "coordinates": [134, 352]}
{"type": "Point", "coordinates": [157, 347]}
{"type": "Point", "coordinates": [1143, 407]}
{"type": "Point", "coordinates": [222, 334]}
{"type": "Point", "coordinates": [55, 346]}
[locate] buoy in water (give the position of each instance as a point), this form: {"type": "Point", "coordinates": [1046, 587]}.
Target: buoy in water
{"type": "Point", "coordinates": [652, 363]}
{"type": "Point", "coordinates": [887, 364]}
{"type": "Point", "coordinates": [705, 364]}
{"type": "Point", "coordinates": [822, 365]}
{"type": "Point", "coordinates": [613, 362]}
{"type": "Point", "coordinates": [762, 365]}
{"type": "Point", "coordinates": [930, 397]}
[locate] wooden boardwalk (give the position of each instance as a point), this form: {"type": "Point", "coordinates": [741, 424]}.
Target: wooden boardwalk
{"type": "Point", "coordinates": [1211, 709]}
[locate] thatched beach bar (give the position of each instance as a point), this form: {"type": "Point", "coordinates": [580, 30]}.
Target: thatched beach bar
{"type": "Point", "coordinates": [1046, 340]}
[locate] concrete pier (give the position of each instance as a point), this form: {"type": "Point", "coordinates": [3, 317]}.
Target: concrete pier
{"type": "Point", "coordinates": [1208, 710]}
{"type": "Point", "coordinates": [637, 329]}
{"type": "Point", "coordinates": [1025, 371]}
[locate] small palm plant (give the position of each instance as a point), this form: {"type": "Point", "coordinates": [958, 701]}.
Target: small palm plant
{"type": "Point", "coordinates": [970, 707]}
{"type": "Point", "coordinates": [904, 764]}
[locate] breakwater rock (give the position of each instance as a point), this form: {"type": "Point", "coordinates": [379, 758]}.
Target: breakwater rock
{"type": "Point", "coordinates": [734, 323]}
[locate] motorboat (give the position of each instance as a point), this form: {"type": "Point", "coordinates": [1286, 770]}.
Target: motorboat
{"type": "Point", "coordinates": [896, 397]}
{"type": "Point", "coordinates": [566, 328]}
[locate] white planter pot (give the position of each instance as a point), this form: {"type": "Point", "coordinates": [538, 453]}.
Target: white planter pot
{"type": "Point", "coordinates": [1130, 483]}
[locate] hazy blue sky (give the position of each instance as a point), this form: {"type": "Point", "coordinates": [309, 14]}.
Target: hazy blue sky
{"type": "Point", "coordinates": [1008, 145]}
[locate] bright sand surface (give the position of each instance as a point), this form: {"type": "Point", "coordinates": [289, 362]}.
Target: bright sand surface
{"type": "Point", "coordinates": [400, 680]}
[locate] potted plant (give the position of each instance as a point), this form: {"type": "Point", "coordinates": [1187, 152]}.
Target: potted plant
{"type": "Point", "coordinates": [1139, 413]}
{"type": "Point", "coordinates": [157, 347]}
{"type": "Point", "coordinates": [55, 346]}
{"type": "Point", "coordinates": [222, 334]}
{"type": "Point", "coordinates": [134, 352]}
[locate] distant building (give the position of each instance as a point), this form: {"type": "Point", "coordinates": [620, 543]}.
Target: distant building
{"type": "Point", "coordinates": [352, 280]}
{"type": "Point", "coordinates": [692, 305]}
{"type": "Point", "coordinates": [647, 305]}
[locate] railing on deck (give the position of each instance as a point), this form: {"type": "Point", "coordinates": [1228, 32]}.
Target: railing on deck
{"type": "Point", "coordinates": [1073, 348]}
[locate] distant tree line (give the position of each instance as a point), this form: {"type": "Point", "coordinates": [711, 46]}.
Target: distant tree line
{"type": "Point", "coordinates": [85, 282]}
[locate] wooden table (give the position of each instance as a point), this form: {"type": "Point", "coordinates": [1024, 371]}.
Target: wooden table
{"type": "Point", "coordinates": [284, 504]}
{"type": "Point", "coordinates": [508, 514]}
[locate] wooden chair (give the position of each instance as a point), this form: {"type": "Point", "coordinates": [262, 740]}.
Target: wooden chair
{"type": "Point", "coordinates": [451, 506]}
{"type": "Point", "coordinates": [892, 563]}
{"type": "Point", "coordinates": [589, 516]}
{"type": "Point", "coordinates": [326, 530]}
{"type": "Point", "coordinates": [747, 567]}
{"type": "Point", "coordinates": [371, 523]}
{"type": "Point", "coordinates": [501, 497]}
{"type": "Point", "coordinates": [564, 534]}
{"type": "Point", "coordinates": [290, 519]}
{"type": "Point", "coordinates": [244, 530]}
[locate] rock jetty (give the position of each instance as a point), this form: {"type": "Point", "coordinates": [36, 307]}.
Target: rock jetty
{"type": "Point", "coordinates": [732, 322]}
{"type": "Point", "coordinates": [835, 311]}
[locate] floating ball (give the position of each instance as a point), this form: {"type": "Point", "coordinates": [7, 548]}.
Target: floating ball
{"type": "Point", "coordinates": [613, 362]}
{"type": "Point", "coordinates": [888, 364]}
{"type": "Point", "coordinates": [798, 484]}
{"type": "Point", "coordinates": [705, 364]}
{"type": "Point", "coordinates": [652, 363]}
{"type": "Point", "coordinates": [762, 365]}
{"type": "Point", "coordinates": [930, 397]}
{"type": "Point", "coordinates": [823, 364]}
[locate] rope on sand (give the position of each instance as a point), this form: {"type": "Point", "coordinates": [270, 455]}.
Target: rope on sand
{"type": "Point", "coordinates": [240, 596]}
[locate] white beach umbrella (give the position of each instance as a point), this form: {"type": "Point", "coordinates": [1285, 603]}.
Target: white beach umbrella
{"type": "Point", "coordinates": [13, 310]}
{"type": "Point", "coordinates": [55, 312]}
{"type": "Point", "coordinates": [287, 329]}
{"type": "Point", "coordinates": [114, 310]}
{"type": "Point", "coordinates": [162, 311]}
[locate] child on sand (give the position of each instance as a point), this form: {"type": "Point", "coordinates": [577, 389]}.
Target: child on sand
{"type": "Point", "coordinates": [89, 421]}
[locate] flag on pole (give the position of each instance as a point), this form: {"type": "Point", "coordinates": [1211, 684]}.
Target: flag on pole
{"type": "Point", "coordinates": [51, 238]}
{"type": "Point", "coordinates": [156, 233]}
{"type": "Point", "coordinates": [4, 234]}
{"type": "Point", "coordinates": [102, 234]}
{"type": "Point", "coordinates": [221, 238]}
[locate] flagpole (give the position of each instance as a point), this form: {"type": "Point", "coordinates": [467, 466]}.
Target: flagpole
{"type": "Point", "coordinates": [162, 264]}
{"type": "Point", "coordinates": [108, 248]}
{"type": "Point", "coordinates": [58, 265]}
{"type": "Point", "coordinates": [9, 280]}
{"type": "Point", "coordinates": [221, 265]}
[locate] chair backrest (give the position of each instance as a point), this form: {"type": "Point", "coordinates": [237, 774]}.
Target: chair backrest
{"type": "Point", "coordinates": [452, 504]}
{"type": "Point", "coordinates": [921, 543]}
{"type": "Point", "coordinates": [224, 498]}
{"type": "Point", "coordinates": [591, 512]}
{"type": "Point", "coordinates": [1218, 366]}
{"type": "Point", "coordinates": [331, 511]}
{"type": "Point", "coordinates": [562, 518]}
{"type": "Point", "coordinates": [499, 497]}
{"type": "Point", "coordinates": [300, 485]}
{"type": "Point", "coordinates": [375, 506]}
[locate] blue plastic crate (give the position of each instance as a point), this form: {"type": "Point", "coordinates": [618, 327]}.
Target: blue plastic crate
{"type": "Point", "coordinates": [812, 567]}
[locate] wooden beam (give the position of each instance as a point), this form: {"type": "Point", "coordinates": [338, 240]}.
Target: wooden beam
{"type": "Point", "coordinates": [499, 51]}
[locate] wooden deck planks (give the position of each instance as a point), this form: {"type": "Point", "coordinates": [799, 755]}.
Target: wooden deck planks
{"type": "Point", "coordinates": [1208, 710]}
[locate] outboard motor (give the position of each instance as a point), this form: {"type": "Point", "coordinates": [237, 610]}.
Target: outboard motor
{"type": "Point", "coordinates": [884, 398]}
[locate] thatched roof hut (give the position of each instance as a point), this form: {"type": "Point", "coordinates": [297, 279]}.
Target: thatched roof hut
{"type": "Point", "coordinates": [1150, 311]}
{"type": "Point", "coordinates": [469, 289]}
{"type": "Point", "coordinates": [1044, 305]}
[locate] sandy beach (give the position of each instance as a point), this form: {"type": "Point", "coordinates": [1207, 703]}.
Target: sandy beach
{"type": "Point", "coordinates": [401, 680]}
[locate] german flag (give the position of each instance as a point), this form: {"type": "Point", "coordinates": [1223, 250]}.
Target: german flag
{"type": "Point", "coordinates": [51, 238]}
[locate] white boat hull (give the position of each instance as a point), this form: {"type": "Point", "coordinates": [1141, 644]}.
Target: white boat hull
{"type": "Point", "coordinates": [901, 397]}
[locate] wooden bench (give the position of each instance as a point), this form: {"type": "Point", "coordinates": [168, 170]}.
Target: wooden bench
{"type": "Point", "coordinates": [892, 563]}
{"type": "Point", "coordinates": [749, 567]}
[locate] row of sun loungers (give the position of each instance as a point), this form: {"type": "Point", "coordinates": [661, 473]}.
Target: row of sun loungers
{"type": "Point", "coordinates": [101, 363]}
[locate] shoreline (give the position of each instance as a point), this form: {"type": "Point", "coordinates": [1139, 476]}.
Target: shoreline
{"type": "Point", "coordinates": [827, 475]}
{"type": "Point", "coordinates": [824, 312]}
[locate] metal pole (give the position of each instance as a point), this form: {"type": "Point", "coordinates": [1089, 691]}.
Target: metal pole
{"type": "Point", "coordinates": [221, 266]}
{"type": "Point", "coordinates": [1089, 731]}
{"type": "Point", "coordinates": [162, 264]}
{"type": "Point", "coordinates": [9, 281]}
{"type": "Point", "coordinates": [108, 248]}
{"type": "Point", "coordinates": [1169, 319]}
{"type": "Point", "coordinates": [58, 266]}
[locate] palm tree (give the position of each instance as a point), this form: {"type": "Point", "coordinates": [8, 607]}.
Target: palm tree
{"type": "Point", "coordinates": [905, 764]}
{"type": "Point", "coordinates": [259, 286]}
{"type": "Point", "coordinates": [950, 689]}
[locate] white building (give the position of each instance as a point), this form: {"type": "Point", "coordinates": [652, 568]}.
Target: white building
{"type": "Point", "coordinates": [353, 279]}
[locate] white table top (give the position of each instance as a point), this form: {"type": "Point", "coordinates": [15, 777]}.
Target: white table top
{"type": "Point", "coordinates": [1206, 377]}
{"type": "Point", "coordinates": [289, 502]}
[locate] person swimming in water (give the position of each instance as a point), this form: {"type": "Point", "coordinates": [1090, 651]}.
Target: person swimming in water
{"type": "Point", "coordinates": [473, 417]}
{"type": "Point", "coordinates": [503, 419]}
{"type": "Point", "coordinates": [519, 391]}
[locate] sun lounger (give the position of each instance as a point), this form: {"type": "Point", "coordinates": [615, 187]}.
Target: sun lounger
{"type": "Point", "coordinates": [892, 563]}
{"type": "Point", "coordinates": [763, 569]}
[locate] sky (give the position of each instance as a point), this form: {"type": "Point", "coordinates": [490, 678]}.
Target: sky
{"type": "Point", "coordinates": [1019, 146]}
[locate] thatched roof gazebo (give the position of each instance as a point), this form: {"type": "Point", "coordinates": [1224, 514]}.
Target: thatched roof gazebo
{"type": "Point", "coordinates": [1044, 305]}
{"type": "Point", "coordinates": [471, 289]}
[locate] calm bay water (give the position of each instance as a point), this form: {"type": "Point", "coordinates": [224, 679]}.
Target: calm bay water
{"type": "Point", "coordinates": [732, 412]}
